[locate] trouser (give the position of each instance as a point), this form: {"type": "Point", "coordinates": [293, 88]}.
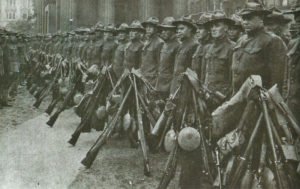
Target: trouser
{"type": "Point", "coordinates": [294, 105]}
{"type": "Point", "coordinates": [13, 88]}
{"type": "Point", "coordinates": [192, 174]}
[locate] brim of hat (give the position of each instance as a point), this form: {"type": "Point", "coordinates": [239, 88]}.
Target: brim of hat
{"type": "Point", "coordinates": [257, 12]}
{"type": "Point", "coordinates": [139, 29]}
{"type": "Point", "coordinates": [122, 30]}
{"type": "Point", "coordinates": [228, 21]}
{"type": "Point", "coordinates": [176, 23]}
{"type": "Point", "coordinates": [144, 24]}
{"type": "Point", "coordinates": [295, 11]}
{"type": "Point", "coordinates": [164, 26]}
{"type": "Point", "coordinates": [111, 31]}
{"type": "Point", "coordinates": [277, 19]}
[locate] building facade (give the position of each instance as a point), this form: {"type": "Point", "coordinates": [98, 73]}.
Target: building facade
{"type": "Point", "coordinates": [14, 10]}
{"type": "Point", "coordinates": [65, 15]}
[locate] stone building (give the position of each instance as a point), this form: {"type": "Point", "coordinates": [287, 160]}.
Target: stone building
{"type": "Point", "coordinates": [64, 15]}
{"type": "Point", "coordinates": [14, 10]}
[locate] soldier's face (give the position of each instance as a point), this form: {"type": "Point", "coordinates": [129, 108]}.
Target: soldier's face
{"type": "Point", "coordinates": [252, 23]}
{"type": "Point", "coordinates": [150, 30]}
{"type": "Point", "coordinates": [233, 33]}
{"type": "Point", "coordinates": [184, 32]}
{"type": "Point", "coordinates": [218, 30]}
{"type": "Point", "coordinates": [134, 35]}
{"type": "Point", "coordinates": [201, 33]}
{"type": "Point", "coordinates": [108, 36]}
{"type": "Point", "coordinates": [122, 36]}
{"type": "Point", "coordinates": [166, 34]}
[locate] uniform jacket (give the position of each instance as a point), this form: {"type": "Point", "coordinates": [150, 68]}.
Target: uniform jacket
{"type": "Point", "coordinates": [107, 54]}
{"type": "Point", "coordinates": [96, 53]}
{"type": "Point", "coordinates": [150, 58]}
{"type": "Point", "coordinates": [13, 58]}
{"type": "Point", "coordinates": [118, 63]}
{"type": "Point", "coordinates": [132, 56]}
{"type": "Point", "coordinates": [216, 65]}
{"type": "Point", "coordinates": [198, 56]}
{"type": "Point", "coordinates": [294, 70]}
{"type": "Point", "coordinates": [263, 54]}
{"type": "Point", "coordinates": [183, 60]}
{"type": "Point", "coordinates": [166, 65]}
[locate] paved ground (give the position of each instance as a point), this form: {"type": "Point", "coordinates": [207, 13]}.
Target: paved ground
{"type": "Point", "coordinates": [34, 155]}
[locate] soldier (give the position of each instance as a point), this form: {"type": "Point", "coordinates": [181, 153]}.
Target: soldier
{"type": "Point", "coordinates": [2, 69]}
{"type": "Point", "coordinates": [133, 49]}
{"type": "Point", "coordinates": [98, 44]}
{"type": "Point", "coordinates": [294, 68]}
{"type": "Point", "coordinates": [191, 175]}
{"type": "Point", "coordinates": [89, 47]}
{"type": "Point", "coordinates": [236, 29]}
{"type": "Point", "coordinates": [216, 65]}
{"type": "Point", "coordinates": [167, 57]}
{"type": "Point", "coordinates": [118, 64]}
{"type": "Point", "coordinates": [277, 23]}
{"type": "Point", "coordinates": [258, 52]}
{"type": "Point", "coordinates": [204, 38]}
{"type": "Point", "coordinates": [109, 45]}
{"type": "Point", "coordinates": [151, 50]}
{"type": "Point", "coordinates": [14, 63]}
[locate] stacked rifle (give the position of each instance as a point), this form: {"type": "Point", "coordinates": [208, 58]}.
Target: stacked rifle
{"type": "Point", "coordinates": [256, 154]}
{"type": "Point", "coordinates": [273, 133]}
{"type": "Point", "coordinates": [132, 113]}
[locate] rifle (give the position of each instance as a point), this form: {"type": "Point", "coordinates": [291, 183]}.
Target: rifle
{"type": "Point", "coordinates": [219, 167]}
{"type": "Point", "coordinates": [91, 106]}
{"type": "Point", "coordinates": [216, 96]}
{"type": "Point", "coordinates": [278, 169]}
{"type": "Point", "coordinates": [277, 99]}
{"type": "Point", "coordinates": [243, 159]}
{"type": "Point", "coordinates": [92, 153]}
{"type": "Point", "coordinates": [141, 133]}
{"type": "Point", "coordinates": [66, 102]}
{"type": "Point", "coordinates": [170, 169]}
{"type": "Point", "coordinates": [203, 141]}
{"type": "Point", "coordinates": [44, 93]}
{"type": "Point", "coordinates": [164, 115]}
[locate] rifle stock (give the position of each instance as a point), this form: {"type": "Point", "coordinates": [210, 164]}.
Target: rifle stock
{"type": "Point", "coordinates": [141, 133]}
{"type": "Point", "coordinates": [170, 169]}
{"type": "Point", "coordinates": [91, 105]}
{"type": "Point", "coordinates": [278, 173]}
{"type": "Point", "coordinates": [67, 100]}
{"type": "Point", "coordinates": [158, 127]}
{"type": "Point", "coordinates": [92, 153]}
{"type": "Point", "coordinates": [243, 159]}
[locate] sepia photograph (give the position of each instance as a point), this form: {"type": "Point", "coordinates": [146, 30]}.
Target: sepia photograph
{"type": "Point", "coordinates": [149, 94]}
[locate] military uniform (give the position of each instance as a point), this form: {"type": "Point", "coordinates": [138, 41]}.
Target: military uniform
{"type": "Point", "coordinates": [150, 54]}
{"type": "Point", "coordinates": [191, 175]}
{"type": "Point", "coordinates": [108, 48]}
{"type": "Point", "coordinates": [133, 49]}
{"type": "Point", "coordinates": [118, 63]}
{"type": "Point", "coordinates": [183, 60]}
{"type": "Point", "coordinates": [263, 54]}
{"type": "Point", "coordinates": [216, 65]}
{"type": "Point", "coordinates": [260, 53]}
{"type": "Point", "coordinates": [294, 69]}
{"type": "Point", "coordinates": [167, 59]}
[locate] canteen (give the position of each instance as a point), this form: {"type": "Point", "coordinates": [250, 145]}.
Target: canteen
{"type": "Point", "coordinates": [189, 139]}
{"type": "Point", "coordinates": [170, 140]}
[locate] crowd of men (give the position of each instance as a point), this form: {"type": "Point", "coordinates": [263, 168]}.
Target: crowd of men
{"type": "Point", "coordinates": [13, 55]}
{"type": "Point", "coordinates": [223, 51]}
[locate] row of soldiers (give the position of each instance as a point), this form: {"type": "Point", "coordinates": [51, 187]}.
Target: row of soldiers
{"type": "Point", "coordinates": [13, 56]}
{"type": "Point", "coordinates": [223, 51]}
